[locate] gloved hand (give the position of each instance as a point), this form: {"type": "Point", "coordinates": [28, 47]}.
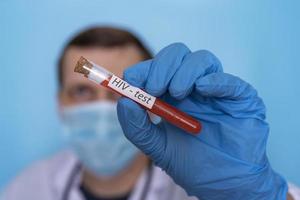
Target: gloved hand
{"type": "Point", "coordinates": [228, 159]}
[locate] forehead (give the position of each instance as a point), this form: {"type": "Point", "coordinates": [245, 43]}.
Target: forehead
{"type": "Point", "coordinates": [115, 60]}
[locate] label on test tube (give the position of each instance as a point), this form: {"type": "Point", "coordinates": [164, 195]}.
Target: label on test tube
{"type": "Point", "coordinates": [132, 92]}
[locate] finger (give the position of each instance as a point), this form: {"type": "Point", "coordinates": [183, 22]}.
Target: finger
{"type": "Point", "coordinates": [137, 74]}
{"type": "Point", "coordinates": [138, 128]}
{"type": "Point", "coordinates": [240, 99]}
{"type": "Point", "coordinates": [154, 75]}
{"type": "Point", "coordinates": [164, 66]}
{"type": "Point", "coordinates": [194, 66]}
{"type": "Point", "coordinates": [223, 85]}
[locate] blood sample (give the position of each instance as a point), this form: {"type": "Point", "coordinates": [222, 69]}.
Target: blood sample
{"type": "Point", "coordinates": [107, 79]}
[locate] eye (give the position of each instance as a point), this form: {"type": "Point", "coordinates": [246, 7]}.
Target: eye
{"type": "Point", "coordinates": [82, 93]}
{"type": "Point", "coordinates": [112, 96]}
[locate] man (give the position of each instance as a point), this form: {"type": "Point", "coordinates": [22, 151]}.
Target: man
{"type": "Point", "coordinates": [99, 167]}
{"type": "Point", "coordinates": [104, 165]}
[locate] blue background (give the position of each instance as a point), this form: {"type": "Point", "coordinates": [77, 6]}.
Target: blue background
{"type": "Point", "coordinates": [256, 40]}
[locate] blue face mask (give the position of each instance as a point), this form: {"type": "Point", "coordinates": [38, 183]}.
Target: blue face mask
{"type": "Point", "coordinates": [94, 133]}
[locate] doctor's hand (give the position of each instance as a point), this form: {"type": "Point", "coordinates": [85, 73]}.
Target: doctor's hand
{"type": "Point", "coordinates": [227, 160]}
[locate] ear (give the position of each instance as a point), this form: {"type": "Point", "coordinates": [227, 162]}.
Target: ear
{"type": "Point", "coordinates": [60, 102]}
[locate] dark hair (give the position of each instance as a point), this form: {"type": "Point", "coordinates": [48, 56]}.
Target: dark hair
{"type": "Point", "coordinates": [107, 37]}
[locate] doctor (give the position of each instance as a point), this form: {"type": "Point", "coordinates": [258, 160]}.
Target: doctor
{"type": "Point", "coordinates": [226, 161]}
{"type": "Point", "coordinates": [101, 164]}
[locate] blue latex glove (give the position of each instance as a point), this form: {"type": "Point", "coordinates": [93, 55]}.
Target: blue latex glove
{"type": "Point", "coordinates": [228, 159]}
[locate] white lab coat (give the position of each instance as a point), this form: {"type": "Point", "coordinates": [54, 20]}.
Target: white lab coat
{"type": "Point", "coordinates": [47, 180]}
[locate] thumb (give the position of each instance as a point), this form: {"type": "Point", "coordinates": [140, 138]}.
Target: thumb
{"type": "Point", "coordinates": [138, 128]}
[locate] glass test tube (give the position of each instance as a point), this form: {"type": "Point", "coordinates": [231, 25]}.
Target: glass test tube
{"type": "Point", "coordinates": [105, 78]}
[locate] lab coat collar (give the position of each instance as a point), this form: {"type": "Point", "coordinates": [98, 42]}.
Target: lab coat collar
{"type": "Point", "coordinates": [158, 187]}
{"type": "Point", "coordinates": [63, 176]}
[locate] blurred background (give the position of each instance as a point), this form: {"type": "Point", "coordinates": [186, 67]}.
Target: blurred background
{"type": "Point", "coordinates": [255, 40]}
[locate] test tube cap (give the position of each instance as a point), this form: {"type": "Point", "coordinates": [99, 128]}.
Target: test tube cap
{"type": "Point", "coordinates": [83, 66]}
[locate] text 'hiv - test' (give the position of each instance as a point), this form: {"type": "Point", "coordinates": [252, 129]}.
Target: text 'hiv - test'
{"type": "Point", "coordinates": [132, 92]}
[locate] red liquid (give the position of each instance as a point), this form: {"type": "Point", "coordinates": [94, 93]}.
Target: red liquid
{"type": "Point", "coordinates": [170, 113]}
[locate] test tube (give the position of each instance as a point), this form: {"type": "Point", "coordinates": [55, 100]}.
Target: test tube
{"type": "Point", "coordinates": [102, 76]}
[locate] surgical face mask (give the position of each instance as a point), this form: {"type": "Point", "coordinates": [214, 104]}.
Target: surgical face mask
{"type": "Point", "coordinates": [94, 133]}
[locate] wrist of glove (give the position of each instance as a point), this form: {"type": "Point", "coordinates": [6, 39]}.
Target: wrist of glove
{"type": "Point", "coordinates": [263, 183]}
